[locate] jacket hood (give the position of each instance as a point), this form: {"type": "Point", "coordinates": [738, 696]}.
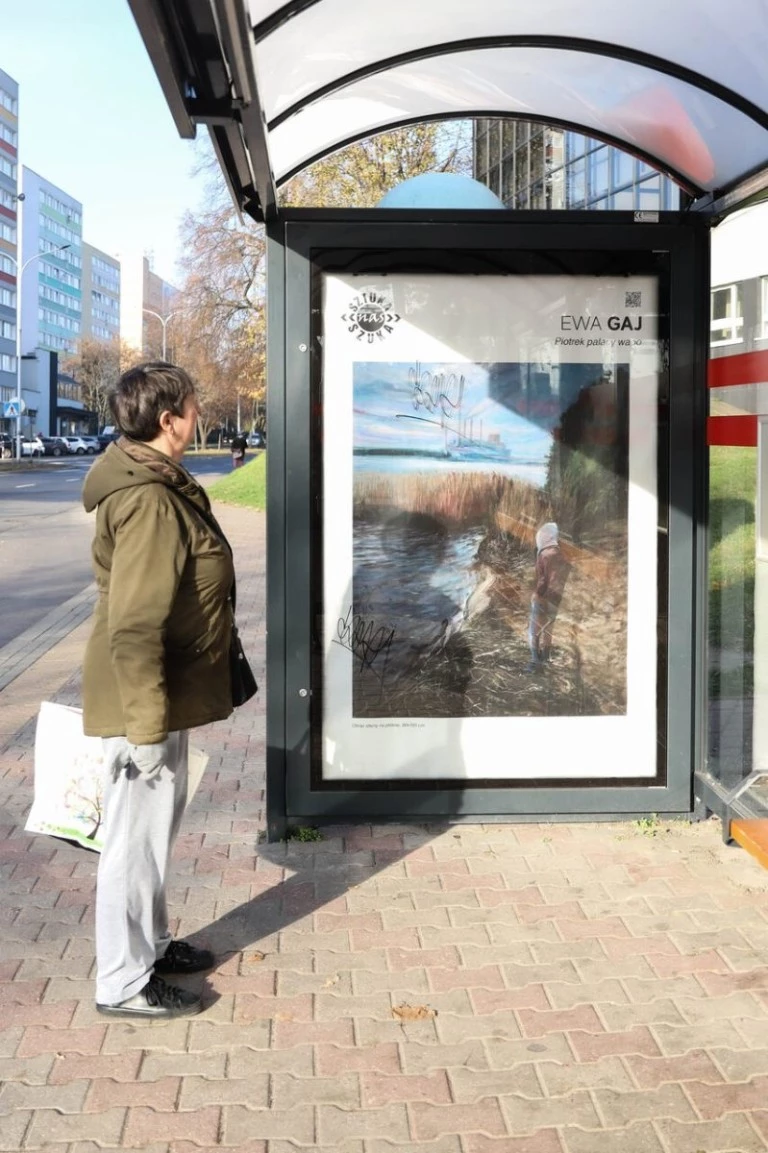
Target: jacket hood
{"type": "Point", "coordinates": [547, 536]}
{"type": "Point", "coordinates": [129, 463]}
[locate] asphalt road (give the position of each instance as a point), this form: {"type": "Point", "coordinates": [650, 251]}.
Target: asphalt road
{"type": "Point", "coordinates": [45, 536]}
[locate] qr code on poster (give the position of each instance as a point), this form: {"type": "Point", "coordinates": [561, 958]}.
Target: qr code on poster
{"type": "Point", "coordinates": [633, 299]}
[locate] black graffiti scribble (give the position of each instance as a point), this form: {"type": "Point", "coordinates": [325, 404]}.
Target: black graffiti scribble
{"type": "Point", "coordinates": [367, 641]}
{"type": "Point", "coordinates": [436, 391]}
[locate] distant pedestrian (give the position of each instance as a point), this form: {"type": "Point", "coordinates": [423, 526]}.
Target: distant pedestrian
{"type": "Point", "coordinates": [551, 575]}
{"type": "Point", "coordinates": [156, 665]}
{"type": "Point", "coordinates": [239, 446]}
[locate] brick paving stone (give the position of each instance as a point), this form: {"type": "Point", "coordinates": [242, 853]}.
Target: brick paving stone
{"type": "Point", "coordinates": [430, 1121]}
{"type": "Point", "coordinates": [505, 1053]}
{"type": "Point", "coordinates": [469, 1086]}
{"type": "Point", "coordinates": [591, 1046]}
{"type": "Point", "coordinates": [240, 1125]}
{"type": "Point", "coordinates": [197, 1092]}
{"type": "Point", "coordinates": [622, 1017]}
{"type": "Point", "coordinates": [289, 1092]}
{"type": "Point", "coordinates": [106, 1093]}
{"type": "Point", "coordinates": [713, 1101]}
{"type": "Point", "coordinates": [37, 1039]}
{"type": "Point", "coordinates": [332, 1059]}
{"type": "Point", "coordinates": [740, 1065]}
{"type": "Point", "coordinates": [168, 1036]}
{"type": "Point", "coordinates": [451, 1029]}
{"type": "Point", "coordinates": [723, 983]}
{"type": "Point", "coordinates": [733, 1132]}
{"type": "Point", "coordinates": [200, 1126]}
{"type": "Point", "coordinates": [418, 1058]}
{"type": "Point", "coordinates": [26, 1070]}
{"type": "Point", "coordinates": [733, 1006]}
{"type": "Point", "coordinates": [537, 1024]}
{"type": "Point", "coordinates": [63, 1098]}
{"type": "Point", "coordinates": [370, 1032]}
{"type": "Point", "coordinates": [378, 1089]}
{"type": "Point", "coordinates": [12, 1129]}
{"type": "Point", "coordinates": [650, 1072]}
{"type": "Point", "coordinates": [563, 995]}
{"type": "Point", "coordinates": [675, 1039]}
{"type": "Point", "coordinates": [544, 1141]}
{"type": "Point", "coordinates": [50, 1127]}
{"type": "Point", "coordinates": [529, 997]}
{"type": "Point", "coordinates": [516, 976]}
{"type": "Point", "coordinates": [566, 1077]}
{"type": "Point", "coordinates": [526, 1114]}
{"type": "Point", "coordinates": [441, 1145]}
{"type": "Point", "coordinates": [205, 1036]}
{"type": "Point", "coordinates": [620, 1108]}
{"type": "Point", "coordinates": [638, 1138]}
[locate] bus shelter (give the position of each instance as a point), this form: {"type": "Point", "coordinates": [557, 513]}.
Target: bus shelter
{"type": "Point", "coordinates": [488, 430]}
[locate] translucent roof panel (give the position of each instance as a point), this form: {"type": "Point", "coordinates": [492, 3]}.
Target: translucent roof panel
{"type": "Point", "coordinates": [319, 44]}
{"type": "Point", "coordinates": [280, 83]}
{"type": "Point", "coordinates": [704, 141]}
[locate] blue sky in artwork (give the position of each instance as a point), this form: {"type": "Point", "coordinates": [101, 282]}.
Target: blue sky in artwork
{"type": "Point", "coordinates": [422, 408]}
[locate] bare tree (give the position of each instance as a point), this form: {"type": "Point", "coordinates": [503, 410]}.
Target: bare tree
{"type": "Point", "coordinates": [96, 365]}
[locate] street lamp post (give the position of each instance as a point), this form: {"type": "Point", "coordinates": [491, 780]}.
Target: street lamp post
{"type": "Point", "coordinates": [20, 270]}
{"type": "Point", "coordinates": [164, 322]}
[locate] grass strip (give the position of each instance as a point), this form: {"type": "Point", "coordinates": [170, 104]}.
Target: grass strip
{"type": "Point", "coordinates": [246, 486]}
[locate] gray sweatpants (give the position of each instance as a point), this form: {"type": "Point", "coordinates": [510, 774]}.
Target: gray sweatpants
{"type": "Point", "coordinates": [141, 822]}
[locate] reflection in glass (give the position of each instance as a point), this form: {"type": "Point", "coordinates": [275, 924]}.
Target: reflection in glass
{"type": "Point", "coordinates": [732, 491]}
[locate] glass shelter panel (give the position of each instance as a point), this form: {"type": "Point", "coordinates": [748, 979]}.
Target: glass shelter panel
{"type": "Point", "coordinates": [618, 98]}
{"type": "Point", "coordinates": [730, 46]}
{"type": "Point", "coordinates": [738, 595]}
{"type": "Point", "coordinates": [490, 562]}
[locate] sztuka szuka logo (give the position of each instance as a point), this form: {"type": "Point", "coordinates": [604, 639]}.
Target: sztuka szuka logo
{"type": "Point", "coordinates": [371, 315]}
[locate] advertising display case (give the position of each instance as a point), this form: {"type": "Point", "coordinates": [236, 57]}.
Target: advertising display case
{"type": "Point", "coordinates": [489, 541]}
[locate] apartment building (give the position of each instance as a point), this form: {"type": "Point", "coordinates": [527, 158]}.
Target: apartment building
{"type": "Point", "coordinates": [9, 146]}
{"type": "Point", "coordinates": [146, 307]}
{"type": "Point", "coordinates": [51, 310]}
{"type": "Point", "coordinates": [100, 294]}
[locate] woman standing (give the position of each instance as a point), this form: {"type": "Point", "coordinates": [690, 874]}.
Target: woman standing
{"type": "Point", "coordinates": [156, 665]}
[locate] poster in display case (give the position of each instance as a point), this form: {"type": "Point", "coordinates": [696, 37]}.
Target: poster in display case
{"type": "Point", "coordinates": [489, 527]}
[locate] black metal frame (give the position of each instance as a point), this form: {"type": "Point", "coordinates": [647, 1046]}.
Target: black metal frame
{"type": "Point", "coordinates": [293, 245]}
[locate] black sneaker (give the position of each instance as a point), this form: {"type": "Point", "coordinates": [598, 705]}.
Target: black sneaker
{"type": "Point", "coordinates": [156, 1000]}
{"type": "Point", "coordinates": [181, 957]}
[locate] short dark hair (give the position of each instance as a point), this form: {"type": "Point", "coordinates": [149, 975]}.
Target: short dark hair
{"type": "Point", "coordinates": [144, 392]}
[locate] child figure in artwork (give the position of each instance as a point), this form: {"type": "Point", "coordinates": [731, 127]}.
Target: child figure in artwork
{"type": "Point", "coordinates": [551, 575]}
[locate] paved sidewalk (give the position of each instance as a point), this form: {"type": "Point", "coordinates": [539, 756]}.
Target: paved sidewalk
{"type": "Point", "coordinates": [476, 989]}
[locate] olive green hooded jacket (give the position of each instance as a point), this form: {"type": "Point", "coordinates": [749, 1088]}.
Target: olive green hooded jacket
{"type": "Point", "coordinates": [158, 657]}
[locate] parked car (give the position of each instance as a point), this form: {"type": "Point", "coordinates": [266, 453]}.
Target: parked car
{"type": "Point", "coordinates": [91, 443]}
{"type": "Point", "coordinates": [55, 446]}
{"type": "Point", "coordinates": [7, 449]}
{"type": "Point", "coordinates": [76, 445]}
{"type": "Point", "coordinates": [257, 439]}
{"type": "Point", "coordinates": [107, 435]}
{"type": "Point", "coordinates": [32, 446]}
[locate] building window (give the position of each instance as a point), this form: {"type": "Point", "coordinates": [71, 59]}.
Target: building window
{"type": "Point", "coordinates": [7, 167]}
{"type": "Point", "coordinates": [8, 297]}
{"type": "Point", "coordinates": [7, 330]}
{"type": "Point", "coordinates": [7, 265]}
{"type": "Point", "coordinates": [726, 315]}
{"type": "Point", "coordinates": [8, 232]}
{"type": "Point", "coordinates": [9, 102]}
{"type": "Point", "coordinates": [7, 363]}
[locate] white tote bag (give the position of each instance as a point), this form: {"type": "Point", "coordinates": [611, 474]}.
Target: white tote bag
{"type": "Point", "coordinates": [69, 770]}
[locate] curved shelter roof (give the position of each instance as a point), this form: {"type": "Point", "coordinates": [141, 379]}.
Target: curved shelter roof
{"type": "Point", "coordinates": [681, 83]}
